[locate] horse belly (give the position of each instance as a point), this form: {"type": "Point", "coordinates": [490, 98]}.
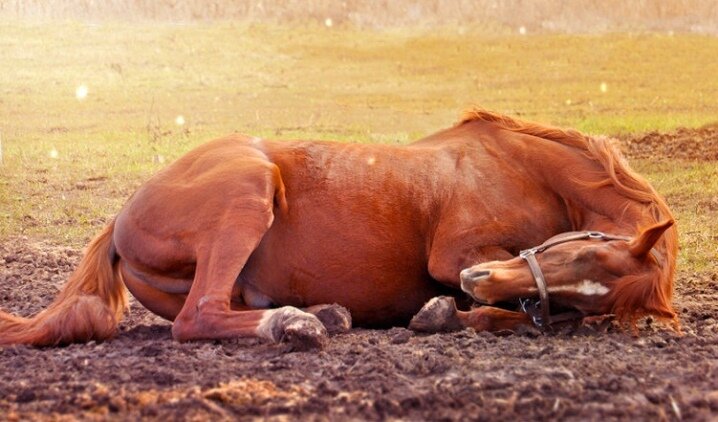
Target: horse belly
{"type": "Point", "coordinates": [377, 292]}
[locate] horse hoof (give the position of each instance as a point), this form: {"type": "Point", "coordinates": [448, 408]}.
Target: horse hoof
{"type": "Point", "coordinates": [437, 315]}
{"type": "Point", "coordinates": [303, 333]}
{"type": "Point", "coordinates": [335, 318]}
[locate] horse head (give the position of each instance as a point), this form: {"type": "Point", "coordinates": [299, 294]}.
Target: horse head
{"type": "Point", "coordinates": [591, 272]}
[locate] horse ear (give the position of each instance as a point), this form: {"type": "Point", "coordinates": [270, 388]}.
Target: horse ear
{"type": "Point", "coordinates": [643, 243]}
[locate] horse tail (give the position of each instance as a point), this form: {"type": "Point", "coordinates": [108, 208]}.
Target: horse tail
{"type": "Point", "coordinates": [89, 307]}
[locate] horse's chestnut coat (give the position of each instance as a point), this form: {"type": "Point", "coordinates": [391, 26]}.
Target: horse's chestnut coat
{"type": "Point", "coordinates": [242, 223]}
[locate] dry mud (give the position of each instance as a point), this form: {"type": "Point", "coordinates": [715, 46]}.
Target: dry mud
{"type": "Point", "coordinates": [571, 374]}
{"type": "Point", "coordinates": [686, 144]}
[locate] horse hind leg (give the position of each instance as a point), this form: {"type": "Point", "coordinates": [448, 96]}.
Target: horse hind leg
{"type": "Point", "coordinates": [207, 312]}
{"type": "Point", "coordinates": [222, 254]}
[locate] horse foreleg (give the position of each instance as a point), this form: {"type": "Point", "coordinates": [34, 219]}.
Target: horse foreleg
{"type": "Point", "coordinates": [489, 318]}
{"type": "Point", "coordinates": [437, 315]}
{"type": "Point", "coordinates": [440, 315]}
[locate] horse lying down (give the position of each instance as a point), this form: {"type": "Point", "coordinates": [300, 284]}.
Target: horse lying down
{"type": "Point", "coordinates": [250, 237]}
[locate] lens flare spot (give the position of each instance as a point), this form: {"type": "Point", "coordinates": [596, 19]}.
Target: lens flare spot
{"type": "Point", "coordinates": [522, 30]}
{"type": "Point", "coordinates": [328, 22]}
{"type": "Point", "coordinates": [81, 92]}
{"type": "Point", "coordinates": [604, 87]}
{"type": "Point", "coordinates": [179, 120]}
{"type": "Point", "coordinates": [371, 161]}
{"type": "Point", "coordinates": [54, 154]}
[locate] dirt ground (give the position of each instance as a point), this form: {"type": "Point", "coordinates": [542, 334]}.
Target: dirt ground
{"type": "Point", "coordinates": [572, 374]}
{"type": "Point", "coordinates": [686, 144]}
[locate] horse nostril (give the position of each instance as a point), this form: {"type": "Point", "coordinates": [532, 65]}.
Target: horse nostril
{"type": "Point", "coordinates": [481, 274]}
{"type": "Point", "coordinates": [470, 274]}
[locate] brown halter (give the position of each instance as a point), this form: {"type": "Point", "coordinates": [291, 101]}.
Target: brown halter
{"type": "Point", "coordinates": [540, 311]}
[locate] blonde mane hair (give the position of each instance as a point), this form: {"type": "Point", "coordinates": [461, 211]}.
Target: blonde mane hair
{"type": "Point", "coordinates": [635, 296]}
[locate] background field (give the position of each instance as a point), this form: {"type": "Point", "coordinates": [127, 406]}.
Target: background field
{"type": "Point", "coordinates": [69, 164]}
{"type": "Point", "coordinates": [574, 16]}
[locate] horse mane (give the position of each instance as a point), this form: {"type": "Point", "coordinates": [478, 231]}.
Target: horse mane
{"type": "Point", "coordinates": [634, 296]}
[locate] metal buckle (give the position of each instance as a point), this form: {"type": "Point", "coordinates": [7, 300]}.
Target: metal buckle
{"type": "Point", "coordinates": [596, 235]}
{"type": "Point", "coordinates": [533, 309]}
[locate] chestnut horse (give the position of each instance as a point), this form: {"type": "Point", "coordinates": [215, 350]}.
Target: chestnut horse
{"type": "Point", "coordinates": [238, 235]}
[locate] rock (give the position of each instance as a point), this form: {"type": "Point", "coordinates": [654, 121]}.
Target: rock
{"type": "Point", "coordinates": [401, 336]}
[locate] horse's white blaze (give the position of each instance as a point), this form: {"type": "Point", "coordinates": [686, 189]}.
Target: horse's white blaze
{"type": "Point", "coordinates": [592, 288]}
{"type": "Point", "coordinates": [585, 287]}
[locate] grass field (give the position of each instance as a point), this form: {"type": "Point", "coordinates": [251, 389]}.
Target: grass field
{"type": "Point", "coordinates": [69, 163]}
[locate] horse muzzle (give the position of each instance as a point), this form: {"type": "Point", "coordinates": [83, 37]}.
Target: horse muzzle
{"type": "Point", "coordinates": [470, 278]}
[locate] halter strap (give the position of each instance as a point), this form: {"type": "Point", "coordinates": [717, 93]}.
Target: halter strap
{"type": "Point", "coordinates": [540, 312]}
{"type": "Point", "coordinates": [543, 303]}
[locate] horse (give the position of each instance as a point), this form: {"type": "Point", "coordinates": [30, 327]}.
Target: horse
{"type": "Point", "coordinates": [247, 237]}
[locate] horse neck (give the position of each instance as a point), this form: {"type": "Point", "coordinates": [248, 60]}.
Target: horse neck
{"type": "Point", "coordinates": [605, 210]}
{"type": "Point", "coordinates": [595, 196]}
{"type": "Point", "coordinates": [602, 193]}
{"type": "Point", "coordinates": [587, 174]}
{"type": "Point", "coordinates": [593, 200]}
{"type": "Point", "coordinates": [598, 188]}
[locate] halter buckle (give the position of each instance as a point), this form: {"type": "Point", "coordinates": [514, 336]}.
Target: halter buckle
{"type": "Point", "coordinates": [533, 309]}
{"type": "Point", "coordinates": [527, 252]}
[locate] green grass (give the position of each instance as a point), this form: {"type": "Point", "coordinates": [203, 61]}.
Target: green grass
{"type": "Point", "coordinates": [318, 83]}
{"type": "Point", "coordinates": [691, 190]}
